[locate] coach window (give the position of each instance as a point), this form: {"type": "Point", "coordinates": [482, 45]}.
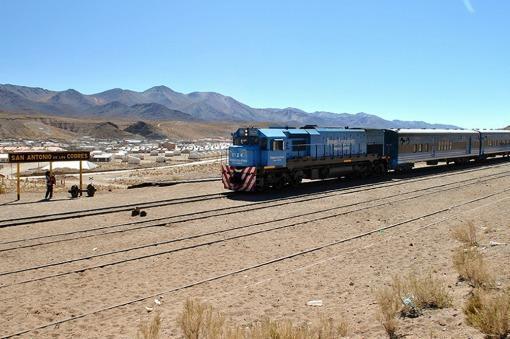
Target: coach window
{"type": "Point", "coordinates": [278, 145]}
{"type": "Point", "coordinates": [415, 148]}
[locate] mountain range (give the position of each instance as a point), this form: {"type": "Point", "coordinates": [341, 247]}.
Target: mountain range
{"type": "Point", "coordinates": [161, 103]}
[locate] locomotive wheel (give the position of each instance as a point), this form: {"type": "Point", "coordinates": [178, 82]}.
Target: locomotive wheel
{"type": "Point", "coordinates": [295, 181]}
{"type": "Point", "coordinates": [379, 169]}
{"type": "Point", "coordinates": [279, 184]}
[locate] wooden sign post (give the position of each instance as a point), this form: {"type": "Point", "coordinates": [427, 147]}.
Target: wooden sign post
{"type": "Point", "coordinates": [24, 157]}
{"type": "Point", "coordinates": [81, 178]}
{"type": "Point", "coordinates": [18, 186]}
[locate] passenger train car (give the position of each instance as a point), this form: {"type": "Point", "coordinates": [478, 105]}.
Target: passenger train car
{"type": "Point", "coordinates": [262, 158]}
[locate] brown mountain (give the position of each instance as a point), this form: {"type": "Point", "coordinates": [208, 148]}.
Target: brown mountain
{"type": "Point", "coordinates": [162, 104]}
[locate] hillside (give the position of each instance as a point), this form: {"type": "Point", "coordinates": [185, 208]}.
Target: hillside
{"type": "Point", "coordinates": [161, 103]}
{"type": "Point", "coordinates": [146, 130]}
{"type": "Point", "coordinates": [40, 127]}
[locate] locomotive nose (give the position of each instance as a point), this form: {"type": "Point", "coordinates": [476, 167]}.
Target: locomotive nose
{"type": "Point", "coordinates": [237, 177]}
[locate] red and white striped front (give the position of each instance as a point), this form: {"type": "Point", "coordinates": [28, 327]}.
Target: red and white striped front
{"type": "Point", "coordinates": [238, 180]}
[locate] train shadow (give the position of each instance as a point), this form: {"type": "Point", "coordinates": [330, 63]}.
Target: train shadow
{"type": "Point", "coordinates": [332, 185]}
{"type": "Point", "coordinates": [17, 202]}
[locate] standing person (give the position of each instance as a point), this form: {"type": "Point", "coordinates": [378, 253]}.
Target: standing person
{"type": "Point", "coordinates": [50, 181]}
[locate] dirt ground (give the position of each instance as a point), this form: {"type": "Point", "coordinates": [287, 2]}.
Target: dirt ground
{"type": "Point", "coordinates": [191, 261]}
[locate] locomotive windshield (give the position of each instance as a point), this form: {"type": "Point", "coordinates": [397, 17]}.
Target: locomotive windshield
{"type": "Point", "coordinates": [246, 140]}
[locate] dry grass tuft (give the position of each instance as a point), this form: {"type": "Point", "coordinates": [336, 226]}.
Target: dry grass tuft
{"type": "Point", "coordinates": [200, 320]}
{"type": "Point", "coordinates": [408, 296]}
{"type": "Point", "coordinates": [285, 329]}
{"type": "Point", "coordinates": [150, 330]}
{"type": "Point", "coordinates": [427, 292]}
{"type": "Point", "coordinates": [489, 313]}
{"type": "Point", "coordinates": [389, 307]}
{"type": "Point", "coordinates": [471, 267]}
{"type": "Point", "coordinates": [330, 329]}
{"type": "Point", "coordinates": [280, 330]}
{"type": "Point", "coordinates": [466, 234]}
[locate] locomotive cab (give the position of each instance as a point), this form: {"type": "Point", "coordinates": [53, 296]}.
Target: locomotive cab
{"type": "Point", "coordinates": [253, 149]}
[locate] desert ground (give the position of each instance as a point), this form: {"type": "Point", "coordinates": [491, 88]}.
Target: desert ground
{"type": "Point", "coordinates": [88, 268]}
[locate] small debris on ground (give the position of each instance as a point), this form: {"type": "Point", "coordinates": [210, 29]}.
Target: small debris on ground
{"type": "Point", "coordinates": [135, 212]}
{"type": "Point", "coordinates": [314, 303]}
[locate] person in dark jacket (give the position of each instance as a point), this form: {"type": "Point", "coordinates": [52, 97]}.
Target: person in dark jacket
{"type": "Point", "coordinates": [50, 181]}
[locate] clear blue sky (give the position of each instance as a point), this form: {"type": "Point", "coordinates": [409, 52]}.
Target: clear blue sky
{"type": "Point", "coordinates": [442, 61]}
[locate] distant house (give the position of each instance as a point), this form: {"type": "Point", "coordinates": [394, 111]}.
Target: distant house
{"type": "Point", "coordinates": [102, 157]}
{"type": "Point", "coordinates": [168, 145]}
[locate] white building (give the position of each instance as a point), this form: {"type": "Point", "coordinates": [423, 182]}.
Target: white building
{"type": "Point", "coordinates": [101, 157]}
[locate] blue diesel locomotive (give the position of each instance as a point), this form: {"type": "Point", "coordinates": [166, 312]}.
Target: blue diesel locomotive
{"type": "Point", "coordinates": [262, 158]}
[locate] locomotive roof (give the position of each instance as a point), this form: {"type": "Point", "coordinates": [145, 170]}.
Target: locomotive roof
{"type": "Point", "coordinates": [272, 132]}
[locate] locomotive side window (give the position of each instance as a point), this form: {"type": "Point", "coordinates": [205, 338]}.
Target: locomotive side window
{"type": "Point", "coordinates": [278, 145]}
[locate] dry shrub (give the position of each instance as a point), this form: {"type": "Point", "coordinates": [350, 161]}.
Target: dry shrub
{"type": "Point", "coordinates": [389, 307]}
{"type": "Point", "coordinates": [150, 330]}
{"type": "Point", "coordinates": [466, 234]}
{"type": "Point", "coordinates": [489, 312]}
{"type": "Point", "coordinates": [285, 329]}
{"type": "Point", "coordinates": [199, 320]}
{"type": "Point", "coordinates": [471, 267]}
{"type": "Point", "coordinates": [330, 329]}
{"type": "Point", "coordinates": [277, 330]}
{"type": "Point", "coordinates": [409, 296]}
{"type": "Point", "coordinates": [426, 291]}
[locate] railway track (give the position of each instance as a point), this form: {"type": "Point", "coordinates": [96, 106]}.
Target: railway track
{"type": "Point", "coordinates": [201, 215]}
{"type": "Point", "coordinates": [12, 222]}
{"type": "Point", "coordinates": [253, 267]}
{"type": "Point", "coordinates": [369, 205]}
{"type": "Point", "coordinates": [191, 217]}
{"type": "Point", "coordinates": [107, 210]}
